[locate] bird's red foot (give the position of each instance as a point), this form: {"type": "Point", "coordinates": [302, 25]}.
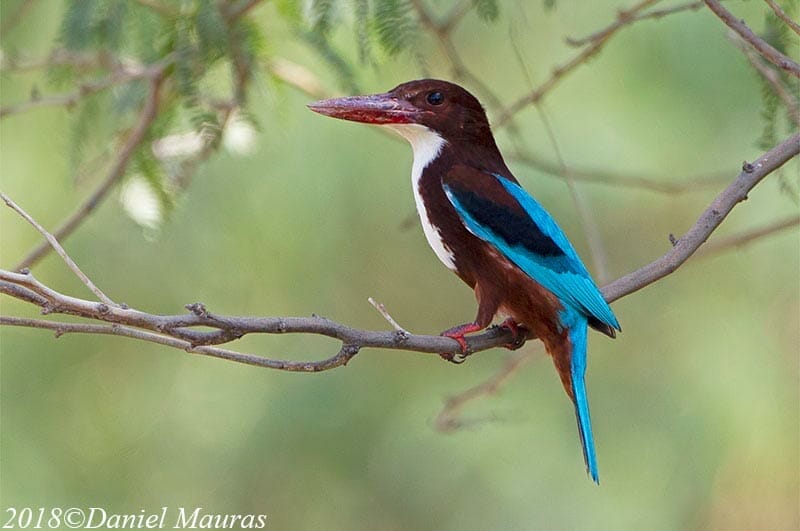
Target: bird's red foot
{"type": "Point", "coordinates": [457, 333]}
{"type": "Point", "coordinates": [519, 334]}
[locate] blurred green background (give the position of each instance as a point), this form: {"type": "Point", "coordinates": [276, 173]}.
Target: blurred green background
{"type": "Point", "coordinates": [695, 406]}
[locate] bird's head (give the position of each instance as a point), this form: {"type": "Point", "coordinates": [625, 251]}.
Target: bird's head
{"type": "Point", "coordinates": [438, 106]}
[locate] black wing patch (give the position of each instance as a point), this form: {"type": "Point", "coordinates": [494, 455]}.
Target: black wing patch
{"type": "Point", "coordinates": [516, 229]}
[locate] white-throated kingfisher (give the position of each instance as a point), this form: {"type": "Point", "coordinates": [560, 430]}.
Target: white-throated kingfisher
{"type": "Point", "coordinates": [488, 230]}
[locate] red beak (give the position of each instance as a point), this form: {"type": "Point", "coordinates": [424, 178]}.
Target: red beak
{"type": "Point", "coordinates": [373, 109]}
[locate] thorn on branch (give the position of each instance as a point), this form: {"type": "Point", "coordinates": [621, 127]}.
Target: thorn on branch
{"type": "Point", "coordinates": [673, 240]}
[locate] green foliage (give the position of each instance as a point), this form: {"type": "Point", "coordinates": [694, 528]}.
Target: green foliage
{"type": "Point", "coordinates": [394, 25]}
{"type": "Point", "coordinates": [89, 23]}
{"type": "Point", "coordinates": [363, 42]}
{"type": "Point", "coordinates": [332, 57]}
{"type": "Point", "coordinates": [320, 15]}
{"type": "Point", "coordinates": [78, 24]}
{"type": "Point", "coordinates": [487, 9]}
{"type": "Point", "coordinates": [211, 30]}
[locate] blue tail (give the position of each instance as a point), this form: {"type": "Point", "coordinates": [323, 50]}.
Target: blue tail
{"type": "Point", "coordinates": [577, 336]}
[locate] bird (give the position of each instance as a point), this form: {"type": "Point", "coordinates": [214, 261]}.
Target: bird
{"type": "Point", "coordinates": [490, 232]}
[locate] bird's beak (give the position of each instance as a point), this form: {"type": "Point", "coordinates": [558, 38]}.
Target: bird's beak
{"type": "Point", "coordinates": [373, 109]}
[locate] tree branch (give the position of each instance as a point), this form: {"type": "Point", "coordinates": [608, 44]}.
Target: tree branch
{"type": "Point", "coordinates": [686, 245]}
{"type": "Point", "coordinates": [765, 49]}
{"type": "Point", "coordinates": [180, 331]}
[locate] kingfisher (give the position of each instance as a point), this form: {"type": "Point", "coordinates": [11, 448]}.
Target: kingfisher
{"type": "Point", "coordinates": [490, 232]}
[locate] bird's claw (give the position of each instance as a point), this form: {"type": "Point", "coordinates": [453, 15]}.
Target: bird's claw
{"type": "Point", "coordinates": [454, 357]}
{"type": "Point", "coordinates": [458, 333]}
{"type": "Point", "coordinates": [519, 334]}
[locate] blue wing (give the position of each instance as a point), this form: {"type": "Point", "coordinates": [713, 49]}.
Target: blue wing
{"type": "Point", "coordinates": [522, 230]}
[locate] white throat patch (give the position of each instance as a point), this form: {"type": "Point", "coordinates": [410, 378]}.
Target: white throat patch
{"type": "Point", "coordinates": [427, 145]}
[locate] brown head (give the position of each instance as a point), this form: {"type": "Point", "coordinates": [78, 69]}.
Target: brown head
{"type": "Point", "coordinates": [441, 106]}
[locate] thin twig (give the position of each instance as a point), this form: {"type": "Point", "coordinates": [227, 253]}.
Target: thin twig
{"type": "Point", "coordinates": [59, 250]}
{"type": "Point", "coordinates": [764, 48]}
{"type": "Point", "coordinates": [146, 117]}
{"type": "Point", "coordinates": [386, 315]}
{"type": "Point", "coordinates": [781, 14]}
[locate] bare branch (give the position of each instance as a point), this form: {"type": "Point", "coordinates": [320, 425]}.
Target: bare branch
{"type": "Point", "coordinates": [765, 49]}
{"type": "Point", "coordinates": [59, 250]}
{"type": "Point", "coordinates": [341, 358]}
{"type": "Point", "coordinates": [146, 117]}
{"type": "Point", "coordinates": [781, 14]}
{"type": "Point", "coordinates": [736, 192]}
{"type": "Point", "coordinates": [181, 326]}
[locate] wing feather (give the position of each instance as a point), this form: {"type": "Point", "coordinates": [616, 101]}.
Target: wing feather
{"type": "Point", "coordinates": [522, 230]}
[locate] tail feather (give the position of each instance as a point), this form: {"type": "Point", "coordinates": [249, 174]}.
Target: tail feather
{"type": "Point", "coordinates": [577, 337]}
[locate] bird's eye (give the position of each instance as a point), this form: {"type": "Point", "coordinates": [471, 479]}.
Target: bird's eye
{"type": "Point", "coordinates": [435, 98]}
